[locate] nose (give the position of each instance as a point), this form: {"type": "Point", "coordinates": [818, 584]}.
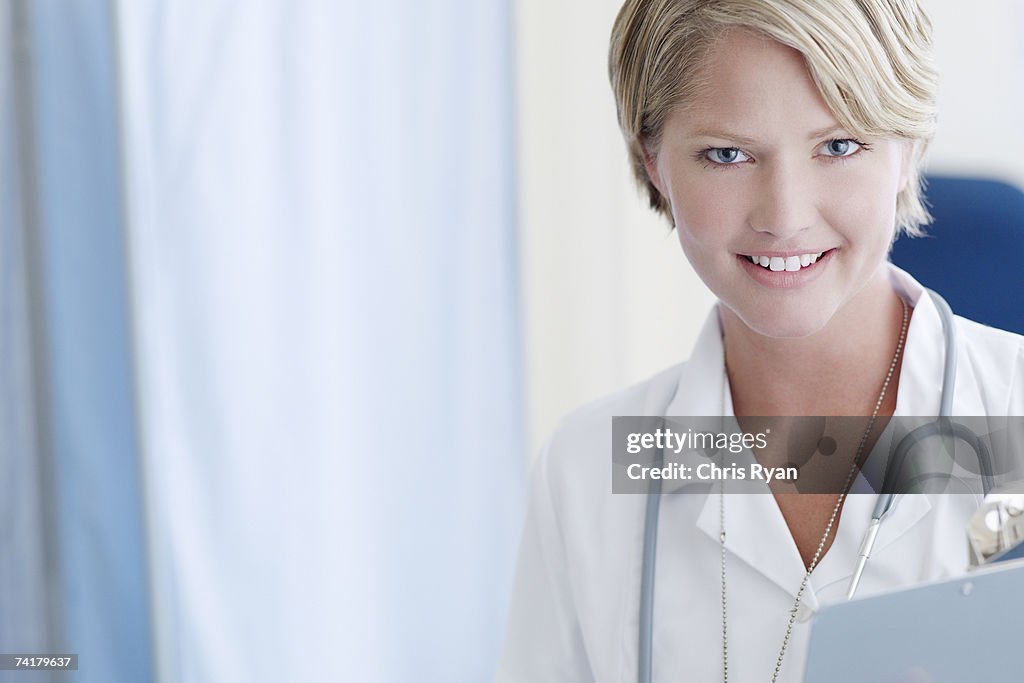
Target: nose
{"type": "Point", "coordinates": [784, 204]}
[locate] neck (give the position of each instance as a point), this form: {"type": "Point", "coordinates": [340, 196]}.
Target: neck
{"type": "Point", "coordinates": [838, 370]}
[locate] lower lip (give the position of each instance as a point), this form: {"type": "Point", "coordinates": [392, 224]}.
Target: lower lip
{"type": "Point", "coordinates": [784, 279]}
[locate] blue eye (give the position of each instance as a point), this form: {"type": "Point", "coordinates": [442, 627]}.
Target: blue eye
{"type": "Point", "coordinates": [842, 148]}
{"type": "Point", "coordinates": [725, 155]}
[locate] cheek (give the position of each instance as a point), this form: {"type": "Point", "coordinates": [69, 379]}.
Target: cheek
{"type": "Point", "coordinates": [862, 205]}
{"type": "Point", "coordinates": [708, 210]}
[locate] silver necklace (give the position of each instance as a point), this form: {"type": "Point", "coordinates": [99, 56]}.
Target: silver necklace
{"type": "Point", "coordinates": [824, 538]}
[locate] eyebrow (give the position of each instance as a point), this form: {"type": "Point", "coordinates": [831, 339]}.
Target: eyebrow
{"type": "Point", "coordinates": [744, 140]}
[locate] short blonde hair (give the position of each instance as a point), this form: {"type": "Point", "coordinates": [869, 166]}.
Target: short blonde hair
{"type": "Point", "coordinates": [870, 59]}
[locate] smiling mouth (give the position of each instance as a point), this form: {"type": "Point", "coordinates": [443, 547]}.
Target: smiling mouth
{"type": "Point", "coordinates": [790, 264]}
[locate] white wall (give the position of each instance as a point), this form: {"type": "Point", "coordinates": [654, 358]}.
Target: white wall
{"type": "Point", "coordinates": [981, 61]}
{"type": "Point", "coordinates": [608, 293]}
{"type": "Point", "coordinates": [609, 297]}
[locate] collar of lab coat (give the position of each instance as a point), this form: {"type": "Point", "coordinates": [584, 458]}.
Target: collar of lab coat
{"type": "Point", "coordinates": [767, 546]}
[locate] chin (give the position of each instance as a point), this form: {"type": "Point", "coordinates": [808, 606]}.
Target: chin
{"type": "Point", "coordinates": [783, 326]}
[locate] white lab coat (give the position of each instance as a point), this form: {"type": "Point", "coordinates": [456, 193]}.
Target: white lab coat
{"type": "Point", "coordinates": [575, 604]}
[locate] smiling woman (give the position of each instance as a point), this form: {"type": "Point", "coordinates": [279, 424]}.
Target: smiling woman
{"type": "Point", "coordinates": [782, 139]}
{"type": "Point", "coordinates": [776, 198]}
{"type": "Point", "coordinates": [871, 64]}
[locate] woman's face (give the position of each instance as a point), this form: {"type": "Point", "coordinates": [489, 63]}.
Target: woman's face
{"type": "Point", "coordinates": [757, 165]}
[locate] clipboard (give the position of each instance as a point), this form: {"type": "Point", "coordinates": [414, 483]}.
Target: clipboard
{"type": "Point", "coordinates": [962, 630]}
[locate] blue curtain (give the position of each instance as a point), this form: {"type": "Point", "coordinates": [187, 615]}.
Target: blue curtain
{"type": "Point", "coordinates": [86, 452]}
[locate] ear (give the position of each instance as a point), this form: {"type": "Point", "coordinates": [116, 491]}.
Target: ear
{"type": "Point", "coordinates": [651, 166]}
{"type": "Point", "coordinates": [908, 154]}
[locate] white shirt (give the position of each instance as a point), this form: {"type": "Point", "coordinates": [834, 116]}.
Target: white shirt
{"type": "Point", "coordinates": [575, 606]}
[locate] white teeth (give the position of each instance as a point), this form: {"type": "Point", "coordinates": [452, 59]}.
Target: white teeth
{"type": "Point", "coordinates": [787, 263]}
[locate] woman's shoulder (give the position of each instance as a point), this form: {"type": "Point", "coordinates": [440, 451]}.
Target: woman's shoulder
{"type": "Point", "coordinates": [992, 344]}
{"type": "Point", "coordinates": [995, 358]}
{"type": "Point", "coordinates": [574, 469]}
{"type": "Point", "coordinates": [988, 337]}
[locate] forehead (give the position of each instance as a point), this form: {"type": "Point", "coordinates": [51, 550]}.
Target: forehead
{"type": "Point", "coordinates": [750, 81]}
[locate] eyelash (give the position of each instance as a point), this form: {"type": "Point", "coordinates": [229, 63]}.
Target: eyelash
{"type": "Point", "coordinates": [702, 157]}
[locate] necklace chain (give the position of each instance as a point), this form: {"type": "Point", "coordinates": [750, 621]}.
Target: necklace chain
{"type": "Point", "coordinates": [828, 528]}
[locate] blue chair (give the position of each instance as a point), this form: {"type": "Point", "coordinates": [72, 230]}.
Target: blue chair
{"type": "Point", "coordinates": [973, 254]}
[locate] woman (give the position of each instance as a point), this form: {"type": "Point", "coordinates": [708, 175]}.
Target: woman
{"type": "Point", "coordinates": [782, 139]}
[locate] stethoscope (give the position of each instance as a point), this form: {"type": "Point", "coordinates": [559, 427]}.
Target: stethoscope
{"type": "Point", "coordinates": [943, 426]}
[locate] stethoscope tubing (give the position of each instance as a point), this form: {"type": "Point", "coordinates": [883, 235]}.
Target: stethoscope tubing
{"type": "Point", "coordinates": [944, 426]}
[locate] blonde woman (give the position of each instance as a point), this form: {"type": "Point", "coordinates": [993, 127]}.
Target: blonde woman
{"type": "Point", "coordinates": [782, 139]}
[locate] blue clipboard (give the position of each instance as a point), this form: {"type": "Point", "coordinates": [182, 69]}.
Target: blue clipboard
{"type": "Point", "coordinates": [962, 630]}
